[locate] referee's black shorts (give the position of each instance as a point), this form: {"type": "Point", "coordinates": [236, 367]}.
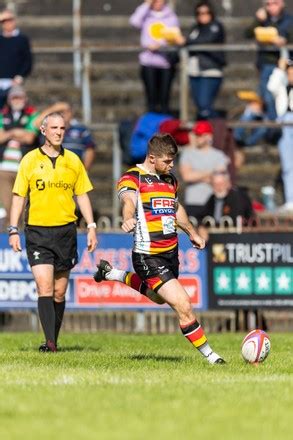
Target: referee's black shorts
{"type": "Point", "coordinates": [56, 245]}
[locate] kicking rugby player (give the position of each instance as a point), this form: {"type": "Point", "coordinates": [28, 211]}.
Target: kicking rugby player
{"type": "Point", "coordinates": [150, 209]}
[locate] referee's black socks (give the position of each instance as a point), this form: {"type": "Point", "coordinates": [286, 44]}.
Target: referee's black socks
{"type": "Point", "coordinates": [59, 313]}
{"type": "Point", "coordinates": [47, 316]}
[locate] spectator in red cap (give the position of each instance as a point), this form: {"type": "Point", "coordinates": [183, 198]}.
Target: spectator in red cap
{"type": "Point", "coordinates": [202, 127]}
{"type": "Point", "coordinates": [197, 163]}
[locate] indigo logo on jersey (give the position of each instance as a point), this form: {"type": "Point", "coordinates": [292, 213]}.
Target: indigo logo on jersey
{"type": "Point", "coordinates": [60, 185]}
{"type": "Point", "coordinates": [40, 184]}
{"type": "Point", "coordinates": [162, 205]}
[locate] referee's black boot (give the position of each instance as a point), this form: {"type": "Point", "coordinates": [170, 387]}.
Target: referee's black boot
{"type": "Point", "coordinates": [103, 268]}
{"type": "Point", "coordinates": [48, 347]}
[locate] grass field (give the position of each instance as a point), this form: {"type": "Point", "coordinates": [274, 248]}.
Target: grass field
{"type": "Point", "coordinates": [109, 386]}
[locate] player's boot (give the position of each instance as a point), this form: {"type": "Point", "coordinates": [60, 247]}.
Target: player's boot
{"type": "Point", "coordinates": [48, 347]}
{"type": "Point", "coordinates": [103, 267]}
{"type": "Point", "coordinates": [214, 358]}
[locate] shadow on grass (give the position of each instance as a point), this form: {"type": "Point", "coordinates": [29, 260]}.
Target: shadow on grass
{"type": "Point", "coordinates": [66, 349]}
{"type": "Point", "coordinates": [79, 348]}
{"type": "Point", "coordinates": [154, 357]}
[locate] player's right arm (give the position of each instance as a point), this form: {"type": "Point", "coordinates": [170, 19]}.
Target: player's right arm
{"type": "Point", "coordinates": [127, 187]}
{"type": "Point", "coordinates": [17, 207]}
{"type": "Point", "coordinates": [128, 203]}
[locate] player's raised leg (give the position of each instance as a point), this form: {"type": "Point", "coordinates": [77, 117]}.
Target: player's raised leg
{"type": "Point", "coordinates": [107, 272]}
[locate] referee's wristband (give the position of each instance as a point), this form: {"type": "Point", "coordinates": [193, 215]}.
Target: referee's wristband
{"type": "Point", "coordinates": [12, 230]}
{"type": "Point", "coordinates": [92, 225]}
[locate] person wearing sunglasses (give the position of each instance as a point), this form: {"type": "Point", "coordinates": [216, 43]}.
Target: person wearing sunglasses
{"type": "Point", "coordinates": [205, 69]}
{"type": "Point", "coordinates": [273, 18]}
{"type": "Point", "coordinates": [15, 55]}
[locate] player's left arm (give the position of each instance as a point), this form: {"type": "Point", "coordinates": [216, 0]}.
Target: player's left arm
{"type": "Point", "coordinates": [85, 207]}
{"type": "Point", "coordinates": [184, 224]}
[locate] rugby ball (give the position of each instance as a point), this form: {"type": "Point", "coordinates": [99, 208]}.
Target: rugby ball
{"type": "Point", "coordinates": [255, 346]}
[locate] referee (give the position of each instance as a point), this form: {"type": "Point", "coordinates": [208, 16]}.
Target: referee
{"type": "Point", "coordinates": [49, 177]}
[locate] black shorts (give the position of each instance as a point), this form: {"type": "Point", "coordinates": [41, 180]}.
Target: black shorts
{"type": "Point", "coordinates": [56, 245]}
{"type": "Point", "coordinates": [156, 270]}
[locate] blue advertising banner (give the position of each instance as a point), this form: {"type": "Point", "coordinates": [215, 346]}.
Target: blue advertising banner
{"type": "Point", "coordinates": [18, 290]}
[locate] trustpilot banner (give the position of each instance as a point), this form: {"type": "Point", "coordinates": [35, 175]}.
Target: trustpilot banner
{"type": "Point", "coordinates": [18, 290]}
{"type": "Point", "coordinates": [251, 270]}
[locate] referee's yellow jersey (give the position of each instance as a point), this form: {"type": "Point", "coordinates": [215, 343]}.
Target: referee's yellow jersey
{"type": "Point", "coordinates": [50, 186]}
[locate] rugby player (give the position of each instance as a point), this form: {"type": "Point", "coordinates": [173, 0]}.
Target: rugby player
{"type": "Point", "coordinates": [49, 177]}
{"type": "Point", "coordinates": [150, 209]}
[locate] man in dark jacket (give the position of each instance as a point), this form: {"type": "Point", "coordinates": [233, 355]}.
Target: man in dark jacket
{"type": "Point", "coordinates": [227, 201]}
{"type": "Point", "coordinates": [15, 55]}
{"type": "Point", "coordinates": [271, 15]}
{"type": "Point", "coordinates": [205, 68]}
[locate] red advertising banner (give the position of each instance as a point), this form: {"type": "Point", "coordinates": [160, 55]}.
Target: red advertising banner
{"type": "Point", "coordinates": [114, 293]}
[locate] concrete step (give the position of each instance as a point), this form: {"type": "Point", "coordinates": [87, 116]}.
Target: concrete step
{"type": "Point", "coordinates": [114, 7]}
{"type": "Point", "coordinates": [260, 154]}
{"type": "Point", "coordinates": [97, 28]}
{"type": "Point", "coordinates": [49, 69]}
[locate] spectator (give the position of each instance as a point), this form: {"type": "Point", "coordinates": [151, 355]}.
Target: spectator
{"type": "Point", "coordinates": [281, 86]}
{"type": "Point", "coordinates": [159, 27]}
{"type": "Point", "coordinates": [77, 137]}
{"type": "Point", "coordinates": [15, 55]}
{"type": "Point", "coordinates": [253, 112]}
{"type": "Point", "coordinates": [227, 200]}
{"type": "Point", "coordinates": [17, 136]}
{"type": "Point", "coordinates": [222, 137]}
{"type": "Point", "coordinates": [197, 163]}
{"type": "Point", "coordinates": [205, 69]}
{"type": "Point", "coordinates": [272, 26]}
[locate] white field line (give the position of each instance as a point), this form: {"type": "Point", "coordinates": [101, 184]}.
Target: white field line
{"type": "Point", "coordinates": [93, 380]}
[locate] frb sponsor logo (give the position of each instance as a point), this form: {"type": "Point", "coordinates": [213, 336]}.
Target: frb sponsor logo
{"type": "Point", "coordinates": [162, 205]}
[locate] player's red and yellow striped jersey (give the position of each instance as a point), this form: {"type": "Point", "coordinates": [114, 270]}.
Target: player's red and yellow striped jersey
{"type": "Point", "coordinates": [156, 226]}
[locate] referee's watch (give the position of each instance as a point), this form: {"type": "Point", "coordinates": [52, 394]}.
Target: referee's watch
{"type": "Point", "coordinates": [92, 225]}
{"type": "Point", "coordinates": [12, 230]}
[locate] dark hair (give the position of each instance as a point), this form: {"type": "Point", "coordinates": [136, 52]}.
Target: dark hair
{"type": "Point", "coordinates": [208, 5]}
{"type": "Point", "coordinates": [162, 144]}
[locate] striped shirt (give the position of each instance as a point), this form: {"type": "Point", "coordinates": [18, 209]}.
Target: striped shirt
{"type": "Point", "coordinates": [156, 228]}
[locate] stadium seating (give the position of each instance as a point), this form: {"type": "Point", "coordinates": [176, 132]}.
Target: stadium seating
{"type": "Point", "coordinates": [116, 87]}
